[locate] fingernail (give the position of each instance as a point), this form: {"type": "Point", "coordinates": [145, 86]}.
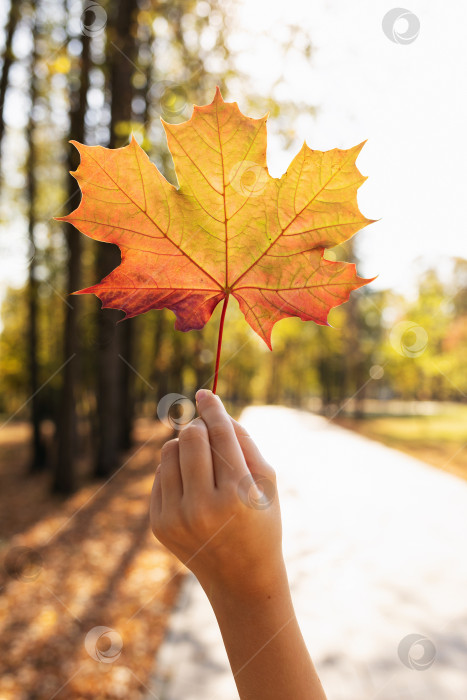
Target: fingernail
{"type": "Point", "coordinates": [202, 394]}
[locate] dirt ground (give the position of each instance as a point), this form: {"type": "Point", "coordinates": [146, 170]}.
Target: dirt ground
{"type": "Point", "coordinates": [69, 566]}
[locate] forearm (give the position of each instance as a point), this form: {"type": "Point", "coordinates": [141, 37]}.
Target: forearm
{"type": "Point", "coordinates": [205, 510]}
{"type": "Point", "coordinates": [266, 650]}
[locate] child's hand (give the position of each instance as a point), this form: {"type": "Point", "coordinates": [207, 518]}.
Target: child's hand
{"type": "Point", "coordinates": [206, 508]}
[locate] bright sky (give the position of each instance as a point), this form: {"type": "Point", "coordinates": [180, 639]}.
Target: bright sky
{"type": "Point", "coordinates": [409, 101]}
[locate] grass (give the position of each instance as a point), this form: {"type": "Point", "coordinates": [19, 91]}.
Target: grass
{"type": "Point", "coordinates": [440, 440]}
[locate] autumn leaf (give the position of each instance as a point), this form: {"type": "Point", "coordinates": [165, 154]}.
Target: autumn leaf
{"type": "Point", "coordinates": [229, 229]}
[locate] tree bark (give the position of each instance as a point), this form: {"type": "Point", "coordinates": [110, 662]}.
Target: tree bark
{"type": "Point", "coordinates": [354, 375]}
{"type": "Point", "coordinates": [64, 471]}
{"type": "Point", "coordinates": [127, 384]}
{"type": "Point", "coordinates": [38, 457]}
{"type": "Point", "coordinates": [8, 58]}
{"type": "Point", "coordinates": [115, 376]}
{"type": "Point", "coordinates": [202, 369]}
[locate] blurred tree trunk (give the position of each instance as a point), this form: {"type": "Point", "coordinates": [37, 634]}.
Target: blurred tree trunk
{"type": "Point", "coordinates": [64, 477]}
{"type": "Point", "coordinates": [177, 364]}
{"type": "Point", "coordinates": [354, 374]}
{"type": "Point", "coordinates": [202, 369]}
{"type": "Point", "coordinates": [129, 336]}
{"type": "Point", "coordinates": [355, 377]}
{"type": "Point", "coordinates": [7, 59]}
{"type": "Point", "coordinates": [272, 389]}
{"type": "Point", "coordinates": [38, 460]}
{"type": "Point", "coordinates": [159, 374]}
{"type": "Point", "coordinates": [115, 377]}
{"type": "Point", "coordinates": [127, 384]}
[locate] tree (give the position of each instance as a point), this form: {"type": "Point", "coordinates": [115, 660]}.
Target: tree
{"type": "Point", "coordinates": [38, 459]}
{"type": "Point", "coordinates": [114, 383]}
{"type": "Point", "coordinates": [7, 59]}
{"type": "Point", "coordinates": [64, 478]}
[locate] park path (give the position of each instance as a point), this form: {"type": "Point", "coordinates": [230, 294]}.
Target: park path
{"type": "Point", "coordinates": [375, 545]}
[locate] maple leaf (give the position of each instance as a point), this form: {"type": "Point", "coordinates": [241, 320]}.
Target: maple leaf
{"type": "Point", "coordinates": [229, 229]}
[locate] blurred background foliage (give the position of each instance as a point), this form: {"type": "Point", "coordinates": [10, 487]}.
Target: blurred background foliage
{"type": "Point", "coordinates": [97, 73]}
{"type": "Point", "coordinates": [80, 392]}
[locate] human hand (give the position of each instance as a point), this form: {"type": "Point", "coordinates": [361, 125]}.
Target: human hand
{"type": "Point", "coordinates": [206, 508]}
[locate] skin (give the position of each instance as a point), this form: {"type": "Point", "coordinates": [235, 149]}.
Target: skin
{"type": "Point", "coordinates": [204, 508]}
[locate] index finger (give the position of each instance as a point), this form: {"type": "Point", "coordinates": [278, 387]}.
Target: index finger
{"type": "Point", "coordinates": [227, 456]}
{"type": "Point", "coordinates": [196, 459]}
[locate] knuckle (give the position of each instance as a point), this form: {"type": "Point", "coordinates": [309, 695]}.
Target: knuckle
{"type": "Point", "coordinates": [192, 433]}
{"type": "Point", "coordinates": [198, 423]}
{"type": "Point", "coordinates": [219, 430]}
{"type": "Point", "coordinates": [169, 446]}
{"type": "Point", "coordinates": [188, 436]}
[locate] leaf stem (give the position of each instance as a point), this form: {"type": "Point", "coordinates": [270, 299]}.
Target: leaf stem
{"type": "Point", "coordinates": [219, 342]}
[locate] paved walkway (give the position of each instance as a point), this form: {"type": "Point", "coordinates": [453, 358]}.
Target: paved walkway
{"type": "Point", "coordinates": [375, 545]}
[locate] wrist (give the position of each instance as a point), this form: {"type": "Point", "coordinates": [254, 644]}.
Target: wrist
{"type": "Point", "coordinates": [249, 589]}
